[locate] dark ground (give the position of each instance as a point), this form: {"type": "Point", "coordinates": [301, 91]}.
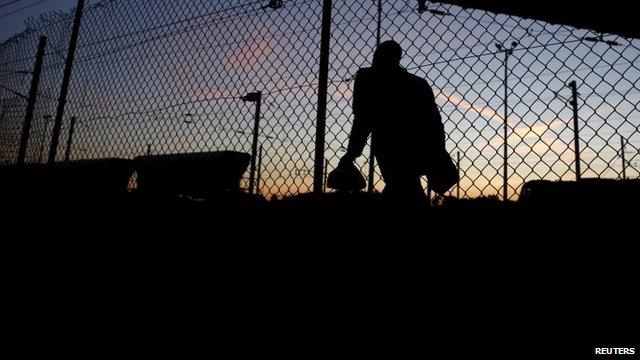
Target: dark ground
{"type": "Point", "coordinates": [330, 276]}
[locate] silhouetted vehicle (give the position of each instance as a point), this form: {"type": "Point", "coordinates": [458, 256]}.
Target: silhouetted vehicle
{"type": "Point", "coordinates": [398, 109]}
{"type": "Point", "coordinates": [584, 194]}
{"type": "Point", "coordinates": [196, 174]}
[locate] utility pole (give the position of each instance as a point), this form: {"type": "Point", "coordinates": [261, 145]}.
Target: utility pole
{"type": "Point", "coordinates": [507, 52]}
{"type": "Point", "coordinates": [323, 83]}
{"type": "Point", "coordinates": [624, 161]}
{"type": "Point", "coordinates": [72, 126]}
{"type": "Point", "coordinates": [372, 159]}
{"type": "Point", "coordinates": [31, 103]}
{"type": "Point", "coordinates": [254, 97]}
{"type": "Point", "coordinates": [66, 80]}
{"type": "Point", "coordinates": [576, 130]}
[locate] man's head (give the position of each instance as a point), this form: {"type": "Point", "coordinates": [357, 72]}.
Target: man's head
{"type": "Point", "coordinates": [387, 55]}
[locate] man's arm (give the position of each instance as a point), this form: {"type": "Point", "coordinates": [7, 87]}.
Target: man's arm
{"type": "Point", "coordinates": [361, 122]}
{"type": "Point", "coordinates": [436, 126]}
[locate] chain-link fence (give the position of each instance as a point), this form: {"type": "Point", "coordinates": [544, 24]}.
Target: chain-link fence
{"type": "Point", "coordinates": [166, 77]}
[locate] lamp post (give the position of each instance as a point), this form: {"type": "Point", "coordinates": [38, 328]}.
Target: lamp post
{"type": "Point", "coordinates": [254, 97]}
{"type": "Point", "coordinates": [259, 169]}
{"type": "Point", "coordinates": [507, 52]}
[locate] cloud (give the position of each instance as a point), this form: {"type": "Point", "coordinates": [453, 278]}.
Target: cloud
{"type": "Point", "coordinates": [243, 56]}
{"type": "Point", "coordinates": [523, 135]}
{"type": "Point", "coordinates": [538, 130]}
{"type": "Point", "coordinates": [484, 111]}
{"type": "Point", "coordinates": [520, 132]}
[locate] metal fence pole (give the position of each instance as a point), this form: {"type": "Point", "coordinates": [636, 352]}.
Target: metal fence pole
{"type": "Point", "coordinates": [624, 161]}
{"type": "Point", "coordinates": [65, 82]}
{"type": "Point", "coordinates": [255, 97]}
{"type": "Point", "coordinates": [72, 126]}
{"type": "Point", "coordinates": [458, 184]}
{"type": "Point", "coordinates": [31, 104]}
{"type": "Point", "coordinates": [323, 84]}
{"type": "Point", "coordinates": [258, 176]}
{"type": "Point", "coordinates": [505, 176]}
{"type": "Point", "coordinates": [326, 175]}
{"type": "Point", "coordinates": [576, 130]}
{"type": "Point", "coordinates": [372, 159]}
{"type": "Point", "coordinates": [43, 137]}
{"type": "Point", "coordinates": [505, 170]}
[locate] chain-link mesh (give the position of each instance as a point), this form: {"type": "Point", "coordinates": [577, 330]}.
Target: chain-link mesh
{"type": "Point", "coordinates": [167, 77]}
{"type": "Point", "coordinates": [17, 57]}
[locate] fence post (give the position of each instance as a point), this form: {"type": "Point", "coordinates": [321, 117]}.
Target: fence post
{"type": "Point", "coordinates": [624, 160]}
{"type": "Point", "coordinates": [65, 82]}
{"type": "Point", "coordinates": [323, 84]}
{"type": "Point", "coordinates": [326, 175]}
{"type": "Point", "coordinates": [31, 104]}
{"type": "Point", "coordinates": [254, 97]}
{"type": "Point", "coordinates": [458, 184]}
{"type": "Point", "coordinates": [259, 174]}
{"type": "Point", "coordinates": [576, 129]}
{"type": "Point", "coordinates": [372, 159]}
{"type": "Point", "coordinates": [72, 126]}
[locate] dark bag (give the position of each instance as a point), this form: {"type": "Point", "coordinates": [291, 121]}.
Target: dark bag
{"type": "Point", "coordinates": [442, 173]}
{"type": "Point", "coordinates": [346, 178]}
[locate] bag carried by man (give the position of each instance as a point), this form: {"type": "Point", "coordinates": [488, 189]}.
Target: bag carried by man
{"type": "Point", "coordinates": [442, 173]}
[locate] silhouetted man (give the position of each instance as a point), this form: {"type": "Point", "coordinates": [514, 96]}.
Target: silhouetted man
{"type": "Point", "coordinates": [400, 112]}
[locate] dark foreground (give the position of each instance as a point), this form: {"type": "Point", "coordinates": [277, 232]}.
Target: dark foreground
{"type": "Point", "coordinates": [334, 275]}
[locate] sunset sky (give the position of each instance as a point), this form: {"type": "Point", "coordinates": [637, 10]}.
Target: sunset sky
{"type": "Point", "coordinates": [141, 67]}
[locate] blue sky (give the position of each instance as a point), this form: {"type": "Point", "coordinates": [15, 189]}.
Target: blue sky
{"type": "Point", "coordinates": [14, 24]}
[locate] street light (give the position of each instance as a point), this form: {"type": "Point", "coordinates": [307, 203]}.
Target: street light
{"type": "Point", "coordinates": [254, 97]}
{"type": "Point", "coordinates": [507, 52]}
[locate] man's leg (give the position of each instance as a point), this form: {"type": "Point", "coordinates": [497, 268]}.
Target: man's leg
{"type": "Point", "coordinates": [405, 190]}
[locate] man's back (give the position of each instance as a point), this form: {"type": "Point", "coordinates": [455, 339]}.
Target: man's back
{"type": "Point", "coordinates": [400, 111]}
